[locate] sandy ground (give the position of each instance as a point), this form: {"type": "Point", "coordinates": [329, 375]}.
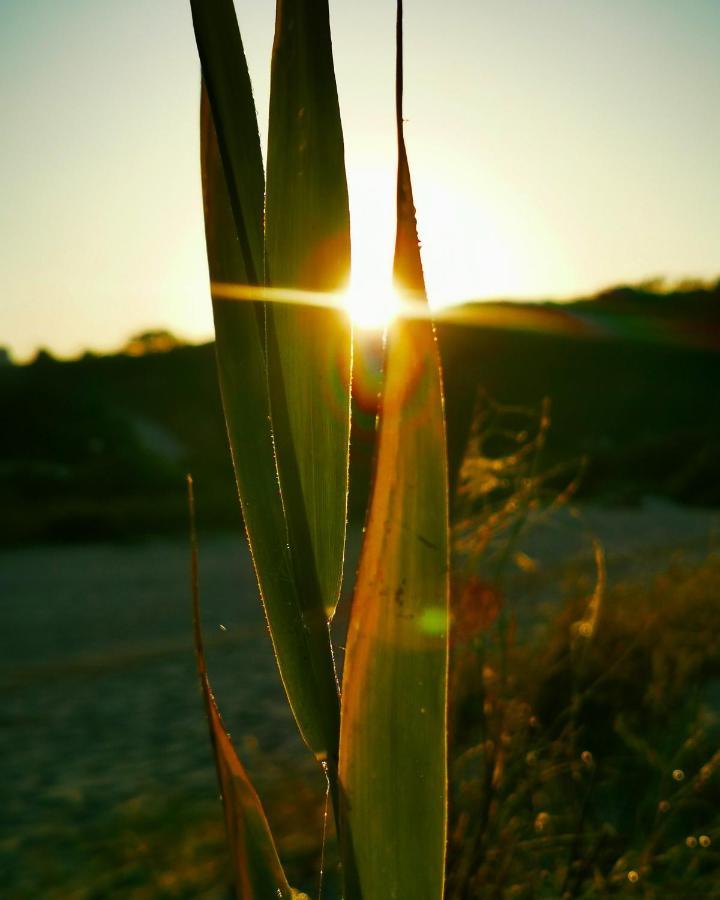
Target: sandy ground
{"type": "Point", "coordinates": [102, 724]}
{"type": "Point", "coordinates": [102, 721]}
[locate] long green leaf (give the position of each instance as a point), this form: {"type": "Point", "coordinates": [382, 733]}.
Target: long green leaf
{"type": "Point", "coordinates": [308, 247]}
{"type": "Point", "coordinates": [393, 726]}
{"type": "Point", "coordinates": [257, 871]}
{"type": "Point", "coordinates": [300, 639]}
{"type": "Point", "coordinates": [227, 80]}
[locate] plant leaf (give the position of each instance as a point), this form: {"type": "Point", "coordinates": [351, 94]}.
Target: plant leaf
{"type": "Point", "coordinates": [308, 247]}
{"type": "Point", "coordinates": [301, 643]}
{"type": "Point", "coordinates": [227, 80]}
{"type": "Point", "coordinates": [257, 871]}
{"type": "Point", "coordinates": [393, 756]}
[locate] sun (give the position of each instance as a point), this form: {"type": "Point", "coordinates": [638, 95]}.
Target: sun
{"type": "Point", "coordinates": [371, 305]}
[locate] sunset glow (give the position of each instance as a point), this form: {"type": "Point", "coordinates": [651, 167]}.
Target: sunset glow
{"type": "Point", "coordinates": [529, 148]}
{"type": "Point", "coordinates": [371, 306]}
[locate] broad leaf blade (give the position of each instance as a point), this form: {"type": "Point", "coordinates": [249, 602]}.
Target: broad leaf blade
{"type": "Point", "coordinates": [393, 726]}
{"type": "Point", "coordinates": [300, 641]}
{"type": "Point", "coordinates": [257, 871]}
{"type": "Point", "coordinates": [308, 247]}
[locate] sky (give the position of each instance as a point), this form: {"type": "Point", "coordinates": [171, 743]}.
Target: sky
{"type": "Point", "coordinates": [556, 147]}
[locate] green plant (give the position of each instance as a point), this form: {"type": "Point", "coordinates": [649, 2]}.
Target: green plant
{"type": "Point", "coordinates": [285, 373]}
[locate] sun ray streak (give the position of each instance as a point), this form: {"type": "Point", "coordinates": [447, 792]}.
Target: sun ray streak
{"type": "Point", "coordinates": [495, 315]}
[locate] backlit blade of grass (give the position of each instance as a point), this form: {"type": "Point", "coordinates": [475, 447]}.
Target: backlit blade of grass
{"type": "Point", "coordinates": [308, 247]}
{"type": "Point", "coordinates": [256, 867]}
{"type": "Point", "coordinates": [302, 646]}
{"type": "Point", "coordinates": [393, 728]}
{"type": "Point", "coordinates": [227, 80]}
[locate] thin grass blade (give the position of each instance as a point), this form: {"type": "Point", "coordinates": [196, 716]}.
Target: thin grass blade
{"type": "Point", "coordinates": [302, 645]}
{"type": "Point", "coordinates": [257, 871]}
{"type": "Point", "coordinates": [393, 757]}
{"type": "Point", "coordinates": [227, 81]}
{"type": "Point", "coordinates": [308, 247]}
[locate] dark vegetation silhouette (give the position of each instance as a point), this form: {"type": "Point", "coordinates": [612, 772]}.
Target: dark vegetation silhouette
{"type": "Point", "coordinates": [98, 447]}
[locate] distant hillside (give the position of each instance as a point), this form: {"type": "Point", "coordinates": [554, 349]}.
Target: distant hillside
{"type": "Point", "coordinates": [99, 447]}
{"type": "Point", "coordinates": [633, 376]}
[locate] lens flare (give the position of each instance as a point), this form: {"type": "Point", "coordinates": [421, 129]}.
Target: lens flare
{"type": "Point", "coordinates": [371, 306]}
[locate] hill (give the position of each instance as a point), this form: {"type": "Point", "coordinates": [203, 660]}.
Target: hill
{"type": "Point", "coordinates": [98, 447]}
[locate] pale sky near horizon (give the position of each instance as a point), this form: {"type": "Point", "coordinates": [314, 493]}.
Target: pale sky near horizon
{"type": "Point", "coordinates": [556, 147]}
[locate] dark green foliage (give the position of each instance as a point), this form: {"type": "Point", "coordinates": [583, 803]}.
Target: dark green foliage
{"type": "Point", "coordinates": [99, 448]}
{"type": "Point", "coordinates": [645, 413]}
